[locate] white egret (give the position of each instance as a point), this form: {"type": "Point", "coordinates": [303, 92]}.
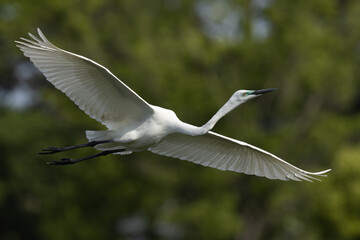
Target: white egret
{"type": "Point", "coordinates": [135, 125]}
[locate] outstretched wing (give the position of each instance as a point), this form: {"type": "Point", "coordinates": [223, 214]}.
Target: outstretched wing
{"type": "Point", "coordinates": [217, 151]}
{"type": "Point", "coordinates": [92, 87]}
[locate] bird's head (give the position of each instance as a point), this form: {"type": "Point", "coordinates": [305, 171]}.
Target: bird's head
{"type": "Point", "coordinates": [235, 100]}
{"type": "Point", "coordinates": [242, 96]}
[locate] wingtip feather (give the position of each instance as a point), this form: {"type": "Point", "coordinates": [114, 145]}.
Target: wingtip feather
{"type": "Point", "coordinates": [322, 173]}
{"type": "Point", "coordinates": [42, 35]}
{"type": "Point", "coordinates": [34, 37]}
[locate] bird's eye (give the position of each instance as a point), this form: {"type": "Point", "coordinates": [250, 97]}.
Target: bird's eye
{"type": "Point", "coordinates": [244, 94]}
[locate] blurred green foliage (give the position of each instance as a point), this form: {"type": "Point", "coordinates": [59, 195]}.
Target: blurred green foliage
{"type": "Point", "coordinates": [189, 56]}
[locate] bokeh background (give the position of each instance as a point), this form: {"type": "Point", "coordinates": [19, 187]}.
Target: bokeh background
{"type": "Point", "coordinates": [189, 56]}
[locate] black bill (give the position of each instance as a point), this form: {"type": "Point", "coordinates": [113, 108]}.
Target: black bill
{"type": "Point", "coordinates": [262, 91]}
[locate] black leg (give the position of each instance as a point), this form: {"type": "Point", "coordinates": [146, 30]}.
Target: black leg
{"type": "Point", "coordinates": [66, 161]}
{"type": "Point", "coordinates": [52, 150]}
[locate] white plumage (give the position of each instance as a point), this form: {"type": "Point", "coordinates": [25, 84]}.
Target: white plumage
{"type": "Point", "coordinates": [135, 125]}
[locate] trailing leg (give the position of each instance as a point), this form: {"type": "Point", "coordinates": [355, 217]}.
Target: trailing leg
{"type": "Point", "coordinates": [66, 161]}
{"type": "Point", "coordinates": [52, 150]}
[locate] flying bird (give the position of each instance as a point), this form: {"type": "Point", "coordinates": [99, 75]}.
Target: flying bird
{"type": "Point", "coordinates": [135, 125]}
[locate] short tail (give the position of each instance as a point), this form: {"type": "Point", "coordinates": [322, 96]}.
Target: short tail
{"type": "Point", "coordinates": [99, 135]}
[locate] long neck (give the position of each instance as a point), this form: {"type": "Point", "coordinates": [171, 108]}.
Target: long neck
{"type": "Point", "coordinates": [225, 109]}
{"type": "Point", "coordinates": [195, 131]}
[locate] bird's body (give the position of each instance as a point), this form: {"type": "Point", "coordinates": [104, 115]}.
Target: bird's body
{"type": "Point", "coordinates": [135, 125]}
{"type": "Point", "coordinates": [141, 135]}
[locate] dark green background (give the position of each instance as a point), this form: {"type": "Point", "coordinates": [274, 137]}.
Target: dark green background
{"type": "Point", "coordinates": [188, 56]}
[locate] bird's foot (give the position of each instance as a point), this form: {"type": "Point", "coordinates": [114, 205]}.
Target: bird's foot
{"type": "Point", "coordinates": [51, 150]}
{"type": "Point", "coordinates": [63, 161]}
